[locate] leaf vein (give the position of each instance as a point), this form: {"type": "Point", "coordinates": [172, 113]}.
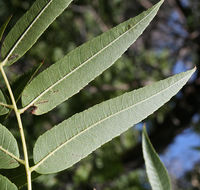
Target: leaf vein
{"type": "Point", "coordinates": [85, 62]}
{"type": "Point", "coordinates": [102, 120]}
{"type": "Point", "coordinates": [27, 29]}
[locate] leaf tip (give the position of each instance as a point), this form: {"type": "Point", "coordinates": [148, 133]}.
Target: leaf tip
{"type": "Point", "coordinates": [191, 71]}
{"type": "Point", "coordinates": [194, 69]}
{"type": "Point", "coordinates": [160, 3]}
{"type": "Point", "coordinates": [144, 129]}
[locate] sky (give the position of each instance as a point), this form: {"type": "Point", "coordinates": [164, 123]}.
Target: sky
{"type": "Point", "coordinates": [181, 155]}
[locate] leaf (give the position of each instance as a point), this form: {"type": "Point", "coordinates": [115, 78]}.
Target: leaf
{"type": "Point", "coordinates": [5, 184]}
{"type": "Point", "coordinates": [3, 109]}
{"type": "Point", "coordinates": [157, 174]}
{"type": "Point", "coordinates": [69, 75]}
{"type": "Point", "coordinates": [75, 138]}
{"type": "Point", "coordinates": [30, 27]}
{"type": "Point", "coordinates": [3, 27]}
{"type": "Point", "coordinates": [8, 149]}
{"type": "Point", "coordinates": [18, 175]}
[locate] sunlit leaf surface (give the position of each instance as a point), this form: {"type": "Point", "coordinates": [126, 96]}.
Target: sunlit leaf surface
{"type": "Point", "coordinates": [157, 174]}
{"type": "Point", "coordinates": [69, 75]}
{"type": "Point", "coordinates": [75, 138]}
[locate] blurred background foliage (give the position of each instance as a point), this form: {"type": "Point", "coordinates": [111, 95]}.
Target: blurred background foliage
{"type": "Point", "coordinates": [171, 44]}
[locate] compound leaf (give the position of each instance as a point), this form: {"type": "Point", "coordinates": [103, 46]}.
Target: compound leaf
{"type": "Point", "coordinates": [70, 74]}
{"type": "Point", "coordinates": [5, 184]}
{"type": "Point", "coordinates": [8, 149]}
{"type": "Point", "coordinates": [30, 27]}
{"type": "Point", "coordinates": [76, 137]}
{"type": "Point", "coordinates": [156, 172]}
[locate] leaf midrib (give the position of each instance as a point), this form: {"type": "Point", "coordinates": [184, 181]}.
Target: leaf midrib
{"type": "Point", "coordinates": [8, 153]}
{"type": "Point", "coordinates": [102, 120]}
{"type": "Point", "coordinates": [27, 29]}
{"type": "Point", "coordinates": [85, 62]}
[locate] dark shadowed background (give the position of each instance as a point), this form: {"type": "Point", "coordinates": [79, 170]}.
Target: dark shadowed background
{"type": "Point", "coordinates": [171, 44]}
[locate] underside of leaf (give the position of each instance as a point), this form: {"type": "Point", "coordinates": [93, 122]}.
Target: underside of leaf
{"type": "Point", "coordinates": [8, 149]}
{"type": "Point", "coordinates": [30, 27]}
{"type": "Point", "coordinates": [5, 184]}
{"type": "Point", "coordinates": [69, 75]}
{"type": "Point", "coordinates": [75, 138]}
{"type": "Point", "coordinates": [3, 109]}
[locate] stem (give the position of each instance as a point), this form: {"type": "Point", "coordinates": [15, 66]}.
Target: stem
{"type": "Point", "coordinates": [6, 105]}
{"type": "Point", "coordinates": [17, 113]}
{"type": "Point", "coordinates": [28, 172]}
{"type": "Point", "coordinates": [3, 63]}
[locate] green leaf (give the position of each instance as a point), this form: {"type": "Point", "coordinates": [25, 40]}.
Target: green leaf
{"type": "Point", "coordinates": [75, 138]}
{"type": "Point", "coordinates": [3, 27]}
{"type": "Point", "coordinates": [30, 27]}
{"type": "Point", "coordinates": [157, 174]}
{"type": "Point", "coordinates": [18, 175]}
{"type": "Point", "coordinates": [5, 184]}
{"type": "Point", "coordinates": [3, 109]}
{"type": "Point", "coordinates": [69, 75]}
{"type": "Point", "coordinates": [8, 149]}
